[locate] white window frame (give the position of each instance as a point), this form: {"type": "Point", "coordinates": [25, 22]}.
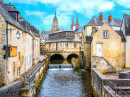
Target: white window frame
{"type": "Point", "coordinates": [66, 45]}
{"type": "Point", "coordinates": [60, 45]}
{"type": "Point", "coordinates": [52, 45]}
{"type": "Point", "coordinates": [75, 46]}
{"type": "Point", "coordinates": [105, 34]}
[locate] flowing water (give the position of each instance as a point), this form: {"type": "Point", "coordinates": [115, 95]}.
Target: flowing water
{"type": "Point", "coordinates": [66, 82]}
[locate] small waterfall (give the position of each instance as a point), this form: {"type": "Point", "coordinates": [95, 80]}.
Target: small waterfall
{"type": "Point", "coordinates": [58, 66]}
{"type": "Point", "coordinates": [54, 66]}
{"type": "Point", "coordinates": [66, 66]}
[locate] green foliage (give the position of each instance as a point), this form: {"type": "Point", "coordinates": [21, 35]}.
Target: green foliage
{"type": "Point", "coordinates": [40, 82]}
{"type": "Point", "coordinates": [47, 59]}
{"type": "Point", "coordinates": [75, 59]}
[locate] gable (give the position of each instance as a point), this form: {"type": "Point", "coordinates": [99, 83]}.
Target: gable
{"type": "Point", "coordinates": [112, 34]}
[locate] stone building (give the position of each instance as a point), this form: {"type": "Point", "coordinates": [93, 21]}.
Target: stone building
{"type": "Point", "coordinates": [63, 43]}
{"type": "Point", "coordinates": [115, 23]}
{"type": "Point", "coordinates": [126, 31]}
{"type": "Point", "coordinates": [107, 48]}
{"type": "Point", "coordinates": [17, 44]}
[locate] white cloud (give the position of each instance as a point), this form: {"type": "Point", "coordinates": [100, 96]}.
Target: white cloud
{"type": "Point", "coordinates": [35, 13]}
{"type": "Point", "coordinates": [124, 3]}
{"type": "Point", "coordinates": [67, 8]}
{"type": "Point", "coordinates": [125, 11]}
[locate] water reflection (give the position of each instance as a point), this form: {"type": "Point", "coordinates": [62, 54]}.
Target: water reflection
{"type": "Point", "coordinates": [66, 83]}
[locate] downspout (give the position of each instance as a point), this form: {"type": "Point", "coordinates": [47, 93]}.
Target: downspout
{"type": "Point", "coordinates": [6, 69]}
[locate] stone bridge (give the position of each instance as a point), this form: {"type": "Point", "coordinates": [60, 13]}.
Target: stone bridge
{"type": "Point", "coordinates": [62, 55]}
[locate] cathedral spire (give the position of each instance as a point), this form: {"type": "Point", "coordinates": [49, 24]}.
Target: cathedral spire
{"type": "Point", "coordinates": [72, 23]}
{"type": "Point", "coordinates": [55, 17]}
{"type": "Point", "coordinates": [77, 22]}
{"type": "Point", "coordinates": [72, 20]}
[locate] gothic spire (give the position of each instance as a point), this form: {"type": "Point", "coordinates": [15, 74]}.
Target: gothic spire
{"type": "Point", "coordinates": [55, 17]}
{"type": "Point", "coordinates": [72, 20]}
{"type": "Point", "coordinates": [77, 22]}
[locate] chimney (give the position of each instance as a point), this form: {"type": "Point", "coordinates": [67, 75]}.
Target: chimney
{"type": "Point", "coordinates": [110, 17]}
{"type": "Point", "coordinates": [9, 3]}
{"type": "Point", "coordinates": [93, 24]}
{"type": "Point", "coordinates": [100, 16]}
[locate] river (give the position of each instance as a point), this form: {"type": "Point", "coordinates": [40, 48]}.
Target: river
{"type": "Point", "coordinates": [66, 83]}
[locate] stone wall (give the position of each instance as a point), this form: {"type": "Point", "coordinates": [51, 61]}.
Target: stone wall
{"type": "Point", "coordinates": [2, 52]}
{"type": "Point", "coordinates": [102, 64]}
{"type": "Point", "coordinates": [108, 92]}
{"type": "Point", "coordinates": [11, 90]}
{"type": "Point", "coordinates": [76, 64]}
{"type": "Point", "coordinates": [87, 54]}
{"type": "Point", "coordinates": [99, 81]}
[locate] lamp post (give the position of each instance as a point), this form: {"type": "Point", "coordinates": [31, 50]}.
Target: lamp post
{"type": "Point", "coordinates": [18, 35]}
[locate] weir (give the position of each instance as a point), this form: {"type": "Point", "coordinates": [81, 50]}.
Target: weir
{"type": "Point", "coordinates": [56, 66]}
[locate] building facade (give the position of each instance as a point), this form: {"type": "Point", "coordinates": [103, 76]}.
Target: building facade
{"type": "Point", "coordinates": [17, 44]}
{"type": "Point", "coordinates": [93, 26]}
{"type": "Point", "coordinates": [63, 42]}
{"type": "Point", "coordinates": [126, 31]}
{"type": "Point", "coordinates": [107, 46]}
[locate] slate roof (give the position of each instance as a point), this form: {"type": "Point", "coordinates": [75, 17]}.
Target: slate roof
{"type": "Point", "coordinates": [5, 14]}
{"type": "Point", "coordinates": [115, 22]}
{"type": "Point", "coordinates": [63, 40]}
{"type": "Point", "coordinates": [79, 29]}
{"type": "Point", "coordinates": [4, 8]}
{"type": "Point", "coordinates": [127, 24]}
{"type": "Point", "coordinates": [11, 8]}
{"type": "Point", "coordinates": [62, 31]}
{"type": "Point", "coordinates": [119, 32]}
{"type": "Point", "coordinates": [88, 39]}
{"type": "Point", "coordinates": [95, 20]}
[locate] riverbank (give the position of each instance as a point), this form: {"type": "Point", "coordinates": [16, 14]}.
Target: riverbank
{"type": "Point", "coordinates": [109, 85]}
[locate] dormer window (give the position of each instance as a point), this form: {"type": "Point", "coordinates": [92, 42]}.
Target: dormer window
{"type": "Point", "coordinates": [105, 34]}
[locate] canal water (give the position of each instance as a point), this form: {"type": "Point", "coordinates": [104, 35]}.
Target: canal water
{"type": "Point", "coordinates": [66, 82]}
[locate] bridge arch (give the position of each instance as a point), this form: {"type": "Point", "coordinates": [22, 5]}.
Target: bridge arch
{"type": "Point", "coordinates": [71, 56]}
{"type": "Point", "coordinates": [56, 59]}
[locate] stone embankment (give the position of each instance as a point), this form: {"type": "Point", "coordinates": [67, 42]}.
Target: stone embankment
{"type": "Point", "coordinates": [109, 87]}
{"type": "Point", "coordinates": [25, 86]}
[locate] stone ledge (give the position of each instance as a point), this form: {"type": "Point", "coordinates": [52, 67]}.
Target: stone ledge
{"type": "Point", "coordinates": [110, 92]}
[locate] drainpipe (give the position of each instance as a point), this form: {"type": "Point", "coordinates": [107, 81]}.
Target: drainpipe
{"type": "Point", "coordinates": [6, 67]}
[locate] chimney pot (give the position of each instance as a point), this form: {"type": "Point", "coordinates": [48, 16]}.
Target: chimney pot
{"type": "Point", "coordinates": [100, 16]}
{"type": "Point", "coordinates": [93, 24]}
{"type": "Point", "coordinates": [110, 17]}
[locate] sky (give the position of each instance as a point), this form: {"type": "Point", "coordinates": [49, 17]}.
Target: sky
{"type": "Point", "coordinates": [40, 13]}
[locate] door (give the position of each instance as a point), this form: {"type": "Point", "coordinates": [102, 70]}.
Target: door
{"type": "Point", "coordinates": [99, 50]}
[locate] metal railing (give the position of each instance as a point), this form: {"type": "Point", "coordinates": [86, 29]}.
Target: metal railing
{"type": "Point", "coordinates": [116, 89]}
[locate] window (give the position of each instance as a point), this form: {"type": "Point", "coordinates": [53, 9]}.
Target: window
{"type": "Point", "coordinates": [53, 45]}
{"type": "Point", "coordinates": [105, 34]}
{"type": "Point", "coordinates": [75, 45]}
{"type": "Point", "coordinates": [18, 55]}
{"type": "Point", "coordinates": [66, 45]}
{"type": "Point", "coordinates": [13, 68]}
{"type": "Point", "coordinates": [18, 71]}
{"type": "Point", "coordinates": [60, 45]}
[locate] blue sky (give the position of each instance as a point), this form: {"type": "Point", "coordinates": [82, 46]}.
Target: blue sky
{"type": "Point", "coordinates": [41, 12]}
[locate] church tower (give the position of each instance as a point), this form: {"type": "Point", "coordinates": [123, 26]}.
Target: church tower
{"type": "Point", "coordinates": [55, 23]}
{"type": "Point", "coordinates": [73, 27]}
{"type": "Point", "coordinates": [77, 22]}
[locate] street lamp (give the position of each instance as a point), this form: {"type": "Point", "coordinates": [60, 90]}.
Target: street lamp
{"type": "Point", "coordinates": [18, 35]}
